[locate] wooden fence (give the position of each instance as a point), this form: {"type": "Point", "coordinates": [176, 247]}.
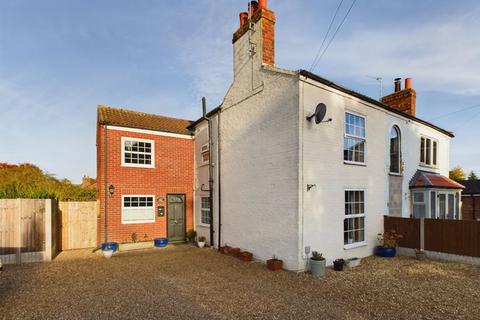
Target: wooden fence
{"type": "Point", "coordinates": [458, 237]}
{"type": "Point", "coordinates": [28, 230]}
{"type": "Point", "coordinates": [78, 224]}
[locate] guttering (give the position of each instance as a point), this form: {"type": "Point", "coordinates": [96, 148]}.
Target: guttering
{"type": "Point", "coordinates": [210, 167]}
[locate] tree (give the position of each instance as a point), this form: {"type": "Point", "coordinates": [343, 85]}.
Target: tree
{"type": "Point", "coordinates": [457, 174]}
{"type": "Point", "coordinates": [472, 176]}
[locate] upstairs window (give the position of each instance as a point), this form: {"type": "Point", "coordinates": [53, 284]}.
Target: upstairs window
{"type": "Point", "coordinates": [205, 154]}
{"type": "Point", "coordinates": [138, 153]}
{"type": "Point", "coordinates": [428, 151]}
{"type": "Point", "coordinates": [395, 147]}
{"type": "Point", "coordinates": [354, 139]}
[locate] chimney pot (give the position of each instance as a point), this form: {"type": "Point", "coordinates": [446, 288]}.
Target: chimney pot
{"type": "Point", "coordinates": [262, 4]}
{"type": "Point", "coordinates": [243, 18]}
{"type": "Point", "coordinates": [408, 83]}
{"type": "Point", "coordinates": [253, 7]}
{"type": "Point", "coordinates": [398, 84]}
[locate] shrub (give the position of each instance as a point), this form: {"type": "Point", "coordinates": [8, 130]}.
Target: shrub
{"type": "Point", "coordinates": [389, 239]}
{"type": "Point", "coordinates": [202, 239]}
{"type": "Point", "coordinates": [191, 235]}
{"type": "Point", "coordinates": [317, 256]}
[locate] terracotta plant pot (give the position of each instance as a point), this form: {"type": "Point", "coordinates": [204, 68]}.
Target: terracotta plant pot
{"type": "Point", "coordinates": [225, 249]}
{"type": "Point", "coordinates": [234, 251]}
{"type": "Point", "coordinates": [245, 256]}
{"type": "Point", "coordinates": [274, 264]}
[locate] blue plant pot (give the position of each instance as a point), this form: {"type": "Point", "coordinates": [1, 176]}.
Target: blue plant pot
{"type": "Point", "coordinates": [385, 252]}
{"type": "Point", "coordinates": [110, 246]}
{"type": "Point", "coordinates": [160, 242]}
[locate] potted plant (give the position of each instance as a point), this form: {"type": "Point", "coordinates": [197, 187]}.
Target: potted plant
{"type": "Point", "coordinates": [388, 242]}
{"type": "Point", "coordinates": [201, 241]}
{"type": "Point", "coordinates": [108, 248]}
{"type": "Point", "coordinates": [353, 262]}
{"type": "Point", "coordinates": [225, 249]}
{"type": "Point", "coordinates": [338, 264]}
{"type": "Point", "coordinates": [191, 235]}
{"type": "Point", "coordinates": [274, 264]}
{"type": "Point", "coordinates": [317, 264]}
{"type": "Point", "coordinates": [234, 251]}
{"type": "Point", "coordinates": [245, 256]}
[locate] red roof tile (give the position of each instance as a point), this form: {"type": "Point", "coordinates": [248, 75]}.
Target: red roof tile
{"type": "Point", "coordinates": [140, 120]}
{"type": "Point", "coordinates": [423, 179]}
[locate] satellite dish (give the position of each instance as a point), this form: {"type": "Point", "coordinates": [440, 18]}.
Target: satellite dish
{"type": "Point", "coordinates": [320, 112]}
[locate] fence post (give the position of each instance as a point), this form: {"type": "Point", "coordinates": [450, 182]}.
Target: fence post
{"type": "Point", "coordinates": [422, 234]}
{"type": "Point", "coordinates": [17, 213]}
{"type": "Point", "coordinates": [48, 229]}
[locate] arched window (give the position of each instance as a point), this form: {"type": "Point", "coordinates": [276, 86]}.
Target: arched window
{"type": "Point", "coordinates": [395, 157]}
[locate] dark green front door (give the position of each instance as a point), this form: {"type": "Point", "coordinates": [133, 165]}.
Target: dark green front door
{"type": "Point", "coordinates": [176, 217]}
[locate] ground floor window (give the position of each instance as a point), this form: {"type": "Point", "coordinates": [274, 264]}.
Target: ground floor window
{"type": "Point", "coordinates": [205, 209]}
{"type": "Point", "coordinates": [436, 204]}
{"type": "Point", "coordinates": [354, 222]}
{"type": "Point", "coordinates": [138, 209]}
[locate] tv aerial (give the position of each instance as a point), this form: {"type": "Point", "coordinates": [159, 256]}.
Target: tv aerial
{"type": "Point", "coordinates": [319, 114]}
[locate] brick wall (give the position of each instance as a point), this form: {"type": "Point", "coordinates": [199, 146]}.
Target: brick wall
{"type": "Point", "coordinates": [173, 173]}
{"type": "Point", "coordinates": [470, 207]}
{"type": "Point", "coordinates": [403, 100]}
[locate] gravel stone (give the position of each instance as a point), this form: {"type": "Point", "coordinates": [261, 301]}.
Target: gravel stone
{"type": "Point", "coordinates": [185, 282]}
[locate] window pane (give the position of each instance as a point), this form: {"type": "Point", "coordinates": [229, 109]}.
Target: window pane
{"type": "Point", "coordinates": [434, 153]}
{"type": "Point", "coordinates": [451, 206]}
{"type": "Point", "coordinates": [418, 197]}
{"type": "Point", "coordinates": [428, 152]}
{"type": "Point", "coordinates": [394, 151]}
{"type": "Point", "coordinates": [422, 150]}
{"type": "Point", "coordinates": [433, 205]}
{"type": "Point", "coordinates": [139, 152]}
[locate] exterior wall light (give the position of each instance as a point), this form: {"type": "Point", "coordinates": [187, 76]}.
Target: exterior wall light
{"type": "Point", "coordinates": [111, 189]}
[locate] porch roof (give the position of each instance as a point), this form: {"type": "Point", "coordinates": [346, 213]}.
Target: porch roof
{"type": "Point", "coordinates": [424, 179]}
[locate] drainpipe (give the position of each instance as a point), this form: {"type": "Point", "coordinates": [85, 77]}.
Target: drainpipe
{"type": "Point", "coordinates": [219, 182]}
{"type": "Point", "coordinates": [105, 180]}
{"type": "Point", "coordinates": [210, 175]}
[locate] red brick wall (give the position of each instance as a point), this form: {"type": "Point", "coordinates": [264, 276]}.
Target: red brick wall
{"type": "Point", "coordinates": [403, 100]}
{"type": "Point", "coordinates": [470, 207]}
{"type": "Point", "coordinates": [173, 173]}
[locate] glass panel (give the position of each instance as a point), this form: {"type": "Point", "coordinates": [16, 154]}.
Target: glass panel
{"type": "Point", "coordinates": [428, 152]}
{"type": "Point", "coordinates": [419, 210]}
{"type": "Point", "coordinates": [451, 204]}
{"type": "Point", "coordinates": [433, 205]}
{"type": "Point", "coordinates": [442, 205]}
{"type": "Point", "coordinates": [434, 153]}
{"type": "Point", "coordinates": [418, 197]}
{"type": "Point", "coordinates": [394, 151]}
{"type": "Point", "coordinates": [422, 150]}
{"type": "Point", "coordinates": [457, 205]}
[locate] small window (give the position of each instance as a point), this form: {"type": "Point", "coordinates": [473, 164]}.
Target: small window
{"type": "Point", "coordinates": [395, 150]}
{"type": "Point", "coordinates": [138, 209]}
{"type": "Point", "coordinates": [205, 210]}
{"type": "Point", "coordinates": [354, 139]}
{"type": "Point", "coordinates": [428, 152]}
{"type": "Point", "coordinates": [419, 204]}
{"type": "Point", "coordinates": [433, 205]}
{"type": "Point", "coordinates": [137, 152]}
{"type": "Point", "coordinates": [205, 154]}
{"type": "Point", "coordinates": [354, 222]}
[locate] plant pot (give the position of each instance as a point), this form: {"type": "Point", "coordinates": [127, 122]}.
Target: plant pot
{"type": "Point", "coordinates": [274, 264]}
{"type": "Point", "coordinates": [234, 251]}
{"type": "Point", "coordinates": [201, 244]}
{"type": "Point", "coordinates": [246, 256]}
{"type": "Point", "coordinates": [338, 264]}
{"type": "Point", "coordinates": [110, 246]}
{"type": "Point", "coordinates": [353, 262]}
{"type": "Point", "coordinates": [160, 242]}
{"type": "Point", "coordinates": [107, 253]}
{"type": "Point", "coordinates": [317, 267]}
{"type": "Point", "coordinates": [385, 252]}
{"type": "Point", "coordinates": [225, 249]}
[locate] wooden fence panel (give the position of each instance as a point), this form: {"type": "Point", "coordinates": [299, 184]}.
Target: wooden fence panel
{"type": "Point", "coordinates": [453, 236]}
{"type": "Point", "coordinates": [9, 224]}
{"type": "Point", "coordinates": [78, 224]}
{"type": "Point", "coordinates": [408, 228]}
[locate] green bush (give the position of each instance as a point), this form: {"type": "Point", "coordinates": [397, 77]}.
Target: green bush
{"type": "Point", "coordinates": [30, 182]}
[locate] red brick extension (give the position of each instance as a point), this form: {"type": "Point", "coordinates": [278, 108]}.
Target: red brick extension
{"type": "Point", "coordinates": [173, 173]}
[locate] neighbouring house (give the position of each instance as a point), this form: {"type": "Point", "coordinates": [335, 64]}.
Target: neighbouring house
{"type": "Point", "coordinates": [285, 183]}
{"type": "Point", "coordinates": [471, 200]}
{"type": "Point", "coordinates": [145, 174]}
{"type": "Point", "coordinates": [88, 182]}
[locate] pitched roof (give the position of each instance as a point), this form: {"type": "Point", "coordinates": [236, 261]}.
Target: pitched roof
{"type": "Point", "coordinates": [372, 101]}
{"type": "Point", "coordinates": [424, 179]}
{"type": "Point", "coordinates": [141, 120]}
{"type": "Point", "coordinates": [471, 186]}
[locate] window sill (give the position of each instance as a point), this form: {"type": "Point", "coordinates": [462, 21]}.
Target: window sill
{"type": "Point", "coordinates": [362, 164]}
{"type": "Point", "coordinates": [138, 166]}
{"type": "Point", "coordinates": [138, 222]}
{"type": "Point", "coordinates": [204, 225]}
{"type": "Point", "coordinates": [428, 166]}
{"type": "Point", "coordinates": [395, 174]}
{"type": "Point", "coordinates": [354, 245]}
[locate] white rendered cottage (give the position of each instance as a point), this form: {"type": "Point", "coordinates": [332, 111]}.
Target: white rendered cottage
{"type": "Point", "coordinates": [283, 185]}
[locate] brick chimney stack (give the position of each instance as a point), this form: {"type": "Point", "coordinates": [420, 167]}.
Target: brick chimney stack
{"type": "Point", "coordinates": [402, 100]}
{"type": "Point", "coordinates": [260, 20]}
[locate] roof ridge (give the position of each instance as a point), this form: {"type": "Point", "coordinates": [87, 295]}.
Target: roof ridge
{"type": "Point", "coordinates": [102, 106]}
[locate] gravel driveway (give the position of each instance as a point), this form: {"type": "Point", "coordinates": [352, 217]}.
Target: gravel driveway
{"type": "Point", "coordinates": [183, 282]}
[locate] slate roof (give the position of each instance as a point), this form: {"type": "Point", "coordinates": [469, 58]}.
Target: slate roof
{"type": "Point", "coordinates": [424, 179]}
{"type": "Point", "coordinates": [140, 120]}
{"type": "Point", "coordinates": [471, 186]}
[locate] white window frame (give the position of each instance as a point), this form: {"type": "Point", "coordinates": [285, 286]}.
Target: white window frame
{"type": "Point", "coordinates": [205, 149]}
{"type": "Point", "coordinates": [351, 136]}
{"type": "Point", "coordinates": [138, 208]}
{"type": "Point", "coordinates": [137, 165]}
{"type": "Point", "coordinates": [425, 202]}
{"type": "Point", "coordinates": [202, 210]}
{"type": "Point", "coordinates": [397, 129]}
{"type": "Point", "coordinates": [364, 215]}
{"type": "Point", "coordinates": [432, 141]}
